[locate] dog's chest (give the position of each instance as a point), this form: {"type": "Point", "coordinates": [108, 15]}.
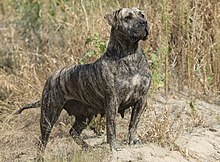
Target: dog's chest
{"type": "Point", "coordinates": [132, 79]}
{"type": "Point", "coordinates": [133, 87]}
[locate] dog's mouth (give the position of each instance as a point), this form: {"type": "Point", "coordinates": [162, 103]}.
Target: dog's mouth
{"type": "Point", "coordinates": [138, 32]}
{"type": "Point", "coordinates": [140, 35]}
{"type": "Point", "coordinates": [141, 31]}
{"type": "Point", "coordinates": [145, 34]}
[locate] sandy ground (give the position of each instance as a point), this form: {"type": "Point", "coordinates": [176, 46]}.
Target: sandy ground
{"type": "Point", "coordinates": [174, 130]}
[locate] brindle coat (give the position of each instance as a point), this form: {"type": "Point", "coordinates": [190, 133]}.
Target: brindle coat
{"type": "Point", "coordinates": [118, 80]}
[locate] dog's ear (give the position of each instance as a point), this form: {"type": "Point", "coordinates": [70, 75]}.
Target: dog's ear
{"type": "Point", "coordinates": [112, 17]}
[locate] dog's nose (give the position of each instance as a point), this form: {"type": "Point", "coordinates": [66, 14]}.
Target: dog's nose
{"type": "Point", "coordinates": [143, 23]}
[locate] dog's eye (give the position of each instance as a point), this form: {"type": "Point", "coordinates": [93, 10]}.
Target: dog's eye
{"type": "Point", "coordinates": [128, 17]}
{"type": "Point", "coordinates": [142, 15]}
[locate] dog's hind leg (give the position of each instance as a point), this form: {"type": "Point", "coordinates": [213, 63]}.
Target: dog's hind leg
{"type": "Point", "coordinates": [79, 125]}
{"type": "Point", "coordinates": [50, 111]}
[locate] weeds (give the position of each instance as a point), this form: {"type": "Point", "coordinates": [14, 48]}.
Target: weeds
{"type": "Point", "coordinates": [159, 131]}
{"type": "Point", "coordinates": [157, 73]}
{"type": "Point", "coordinates": [99, 49]}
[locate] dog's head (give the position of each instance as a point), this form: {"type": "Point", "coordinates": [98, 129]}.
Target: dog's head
{"type": "Point", "coordinates": [130, 22]}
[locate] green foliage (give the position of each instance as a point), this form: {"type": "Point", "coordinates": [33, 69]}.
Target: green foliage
{"type": "Point", "coordinates": [98, 125]}
{"type": "Point", "coordinates": [157, 72]}
{"type": "Point", "coordinates": [210, 79]}
{"type": "Point", "coordinates": [30, 11]}
{"type": "Point", "coordinates": [99, 44]}
{"type": "Point", "coordinates": [30, 21]}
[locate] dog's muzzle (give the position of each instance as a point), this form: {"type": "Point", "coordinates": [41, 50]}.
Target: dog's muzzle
{"type": "Point", "coordinates": [142, 23]}
{"type": "Point", "coordinates": [145, 33]}
{"type": "Point", "coordinates": [143, 29]}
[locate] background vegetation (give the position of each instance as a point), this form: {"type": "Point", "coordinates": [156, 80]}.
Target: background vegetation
{"type": "Point", "coordinates": [38, 37]}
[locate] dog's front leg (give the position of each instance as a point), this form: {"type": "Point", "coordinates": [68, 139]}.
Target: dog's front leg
{"type": "Point", "coordinates": [135, 117]}
{"type": "Point", "coordinates": [111, 107]}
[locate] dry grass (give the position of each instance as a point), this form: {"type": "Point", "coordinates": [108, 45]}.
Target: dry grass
{"type": "Point", "coordinates": [38, 37]}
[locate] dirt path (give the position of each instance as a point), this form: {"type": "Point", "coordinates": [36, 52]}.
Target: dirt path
{"type": "Point", "coordinates": [197, 139]}
{"type": "Point", "coordinates": [199, 146]}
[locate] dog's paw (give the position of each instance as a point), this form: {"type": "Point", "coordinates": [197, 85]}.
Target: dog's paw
{"type": "Point", "coordinates": [87, 147]}
{"type": "Point", "coordinates": [84, 145]}
{"type": "Point", "coordinates": [115, 146]}
{"type": "Point", "coordinates": [134, 141]}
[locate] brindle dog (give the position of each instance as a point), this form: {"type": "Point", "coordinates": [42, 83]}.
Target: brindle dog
{"type": "Point", "coordinates": [118, 80]}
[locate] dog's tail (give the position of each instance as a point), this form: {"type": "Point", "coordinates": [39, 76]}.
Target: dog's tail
{"type": "Point", "coordinates": [29, 106]}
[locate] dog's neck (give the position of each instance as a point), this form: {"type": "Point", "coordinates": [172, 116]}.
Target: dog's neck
{"type": "Point", "coordinates": [119, 46]}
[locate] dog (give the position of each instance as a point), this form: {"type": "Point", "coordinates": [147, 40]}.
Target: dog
{"type": "Point", "coordinates": [118, 80]}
